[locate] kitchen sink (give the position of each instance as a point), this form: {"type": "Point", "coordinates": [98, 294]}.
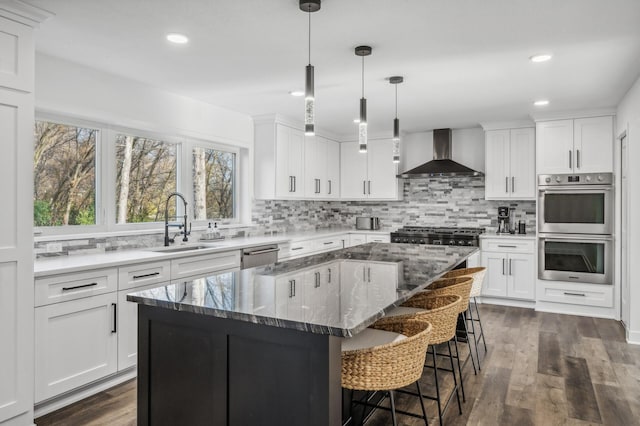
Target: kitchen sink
{"type": "Point", "coordinates": [181, 249]}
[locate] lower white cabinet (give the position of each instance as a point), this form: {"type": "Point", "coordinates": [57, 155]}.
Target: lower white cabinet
{"type": "Point", "coordinates": [363, 238]}
{"type": "Point", "coordinates": [510, 268]}
{"type": "Point", "coordinates": [377, 238]}
{"type": "Point", "coordinates": [76, 343]}
{"type": "Point", "coordinates": [203, 264]}
{"type": "Point", "coordinates": [357, 239]}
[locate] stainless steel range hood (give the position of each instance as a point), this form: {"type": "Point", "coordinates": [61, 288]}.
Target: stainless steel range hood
{"type": "Point", "coordinates": [442, 164]}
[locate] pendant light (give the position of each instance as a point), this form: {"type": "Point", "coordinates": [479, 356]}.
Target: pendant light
{"type": "Point", "coordinates": [363, 51]}
{"type": "Point", "coordinates": [309, 96]}
{"type": "Point", "coordinates": [395, 80]}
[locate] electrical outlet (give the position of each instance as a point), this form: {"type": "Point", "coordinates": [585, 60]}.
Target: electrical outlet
{"type": "Point", "coordinates": [54, 247]}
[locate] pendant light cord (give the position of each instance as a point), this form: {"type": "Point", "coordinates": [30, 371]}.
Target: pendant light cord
{"type": "Point", "coordinates": [363, 76]}
{"type": "Point", "coordinates": [396, 101]}
{"type": "Point", "coordinates": [309, 13]}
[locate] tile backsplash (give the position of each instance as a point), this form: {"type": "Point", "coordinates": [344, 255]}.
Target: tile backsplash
{"type": "Point", "coordinates": [426, 202]}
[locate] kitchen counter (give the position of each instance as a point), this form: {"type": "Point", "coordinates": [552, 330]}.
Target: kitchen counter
{"type": "Point", "coordinates": [487, 235]}
{"type": "Point", "coordinates": [74, 263]}
{"type": "Point", "coordinates": [391, 273]}
{"type": "Point", "coordinates": [263, 345]}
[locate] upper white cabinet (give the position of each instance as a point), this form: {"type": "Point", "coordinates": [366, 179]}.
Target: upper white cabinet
{"type": "Point", "coordinates": [370, 175]}
{"type": "Point", "coordinates": [279, 161]}
{"type": "Point", "coordinates": [583, 145]}
{"type": "Point", "coordinates": [510, 164]}
{"type": "Point", "coordinates": [321, 167]}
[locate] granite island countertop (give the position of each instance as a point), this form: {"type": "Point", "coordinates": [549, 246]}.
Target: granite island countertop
{"type": "Point", "coordinates": [337, 293]}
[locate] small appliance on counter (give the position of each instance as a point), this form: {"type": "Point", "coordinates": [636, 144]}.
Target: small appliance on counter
{"type": "Point", "coordinates": [522, 228]}
{"type": "Point", "coordinates": [503, 220]}
{"type": "Point", "coordinates": [368, 223]}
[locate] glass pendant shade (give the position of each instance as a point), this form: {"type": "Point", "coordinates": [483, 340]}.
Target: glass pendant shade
{"type": "Point", "coordinates": [362, 126]}
{"type": "Point", "coordinates": [309, 102]}
{"type": "Point", "coordinates": [396, 150]}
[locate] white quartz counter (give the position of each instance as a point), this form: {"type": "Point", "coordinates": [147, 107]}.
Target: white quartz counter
{"type": "Point", "coordinates": [490, 235]}
{"type": "Point", "coordinates": [74, 263]}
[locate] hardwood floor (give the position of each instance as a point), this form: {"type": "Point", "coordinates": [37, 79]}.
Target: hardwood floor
{"type": "Point", "coordinates": [540, 369]}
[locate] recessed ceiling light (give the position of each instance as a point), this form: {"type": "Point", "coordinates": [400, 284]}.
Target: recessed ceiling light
{"type": "Point", "coordinates": [541, 102]}
{"type": "Point", "coordinates": [177, 38]}
{"type": "Point", "coordinates": [356, 120]}
{"type": "Point", "coordinates": [297, 93]}
{"type": "Point", "coordinates": [542, 57]}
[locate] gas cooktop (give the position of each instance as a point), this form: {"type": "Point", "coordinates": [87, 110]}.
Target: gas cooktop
{"type": "Point", "coordinates": [438, 235]}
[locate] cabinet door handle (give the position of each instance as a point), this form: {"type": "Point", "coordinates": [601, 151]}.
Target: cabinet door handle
{"type": "Point", "coordinates": [501, 246]}
{"type": "Point", "coordinates": [369, 274]}
{"type": "Point", "coordinates": [290, 183]}
{"type": "Point", "coordinates": [503, 267]}
{"type": "Point", "coordinates": [369, 187]}
{"type": "Point", "coordinates": [364, 187]}
{"type": "Point", "coordinates": [294, 184]}
{"type": "Point", "coordinates": [570, 159]}
{"type": "Point", "coordinates": [153, 274]}
{"type": "Point", "coordinates": [317, 278]}
{"type": "Point", "coordinates": [329, 276]}
{"type": "Point", "coordinates": [296, 248]}
{"type": "Point", "coordinates": [574, 294]}
{"type": "Point", "coordinates": [329, 185]}
{"type": "Point", "coordinates": [114, 307]}
{"type": "Point", "coordinates": [290, 289]}
{"type": "Point", "coordinates": [510, 267]}
{"type": "Point", "coordinates": [578, 158]}
{"type": "Point", "coordinates": [506, 184]}
{"type": "Point", "coordinates": [79, 286]}
{"type": "Point", "coordinates": [513, 184]}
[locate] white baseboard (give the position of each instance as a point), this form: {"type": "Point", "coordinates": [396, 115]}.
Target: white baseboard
{"type": "Point", "coordinates": [506, 302]}
{"type": "Point", "coordinates": [61, 401]}
{"type": "Point", "coordinates": [633, 337]}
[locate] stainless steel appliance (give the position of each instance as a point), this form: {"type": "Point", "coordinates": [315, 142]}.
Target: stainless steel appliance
{"type": "Point", "coordinates": [579, 258]}
{"type": "Point", "coordinates": [438, 236]}
{"type": "Point", "coordinates": [503, 220]}
{"type": "Point", "coordinates": [576, 204]}
{"type": "Point", "coordinates": [259, 256]}
{"type": "Point", "coordinates": [367, 223]}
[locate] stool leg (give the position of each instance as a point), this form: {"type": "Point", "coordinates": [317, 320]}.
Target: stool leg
{"type": "Point", "coordinates": [424, 412]}
{"type": "Point", "coordinates": [473, 331]}
{"type": "Point", "coordinates": [435, 375]}
{"type": "Point", "coordinates": [455, 342]}
{"type": "Point", "coordinates": [393, 409]}
{"type": "Point", "coordinates": [466, 334]}
{"type": "Point", "coordinates": [455, 381]}
{"type": "Point", "coordinates": [480, 322]}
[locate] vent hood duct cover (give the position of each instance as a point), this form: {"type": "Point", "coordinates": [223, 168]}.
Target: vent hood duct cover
{"type": "Point", "coordinates": [442, 164]}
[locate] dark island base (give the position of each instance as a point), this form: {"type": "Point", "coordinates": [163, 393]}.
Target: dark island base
{"type": "Point", "coordinates": [202, 370]}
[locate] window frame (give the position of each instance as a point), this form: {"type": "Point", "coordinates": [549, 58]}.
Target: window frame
{"type": "Point", "coordinates": [105, 185]}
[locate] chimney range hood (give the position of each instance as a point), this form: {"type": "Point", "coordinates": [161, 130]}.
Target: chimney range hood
{"type": "Point", "coordinates": [442, 164]}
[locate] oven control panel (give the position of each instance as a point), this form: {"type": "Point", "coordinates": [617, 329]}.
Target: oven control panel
{"type": "Point", "coordinates": [576, 179]}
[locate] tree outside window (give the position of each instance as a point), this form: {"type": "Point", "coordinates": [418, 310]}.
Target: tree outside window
{"type": "Point", "coordinates": [64, 170]}
{"type": "Point", "coordinates": [146, 175]}
{"type": "Point", "coordinates": [213, 183]}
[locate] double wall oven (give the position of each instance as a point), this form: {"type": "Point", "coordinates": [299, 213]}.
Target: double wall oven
{"type": "Point", "coordinates": [575, 227]}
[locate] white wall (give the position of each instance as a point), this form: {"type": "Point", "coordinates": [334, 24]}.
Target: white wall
{"type": "Point", "coordinates": [467, 148]}
{"type": "Point", "coordinates": [628, 119]}
{"type": "Point", "coordinates": [63, 87]}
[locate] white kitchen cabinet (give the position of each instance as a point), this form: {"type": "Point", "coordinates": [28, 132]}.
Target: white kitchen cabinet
{"type": "Point", "coordinates": [357, 239]}
{"type": "Point", "coordinates": [144, 274]}
{"type": "Point", "coordinates": [370, 175]}
{"type": "Point", "coordinates": [302, 248]}
{"type": "Point", "coordinates": [76, 343]}
{"type": "Point", "coordinates": [510, 164]}
{"type": "Point", "coordinates": [128, 327]}
{"type": "Point", "coordinates": [278, 160]}
{"type": "Point", "coordinates": [189, 266]}
{"type": "Point", "coordinates": [583, 145]}
{"type": "Point", "coordinates": [378, 238]}
{"type": "Point", "coordinates": [64, 287]}
{"type": "Point", "coordinates": [321, 168]}
{"type": "Point", "coordinates": [510, 264]}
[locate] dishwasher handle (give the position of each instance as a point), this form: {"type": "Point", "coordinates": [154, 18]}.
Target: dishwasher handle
{"type": "Point", "coordinates": [256, 252]}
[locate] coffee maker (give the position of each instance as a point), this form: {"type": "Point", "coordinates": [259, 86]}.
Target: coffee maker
{"type": "Point", "coordinates": [503, 220]}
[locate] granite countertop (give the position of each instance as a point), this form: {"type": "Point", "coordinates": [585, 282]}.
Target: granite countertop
{"type": "Point", "coordinates": [338, 293]}
{"type": "Point", "coordinates": [75, 263]}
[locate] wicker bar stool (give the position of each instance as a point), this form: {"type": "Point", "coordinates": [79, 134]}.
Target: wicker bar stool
{"type": "Point", "coordinates": [388, 366]}
{"type": "Point", "coordinates": [450, 286]}
{"type": "Point", "coordinates": [442, 313]}
{"type": "Point", "coordinates": [478, 274]}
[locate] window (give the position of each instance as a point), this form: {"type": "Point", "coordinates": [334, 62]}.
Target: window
{"type": "Point", "coordinates": [64, 170]}
{"type": "Point", "coordinates": [213, 184]}
{"type": "Point", "coordinates": [146, 175]}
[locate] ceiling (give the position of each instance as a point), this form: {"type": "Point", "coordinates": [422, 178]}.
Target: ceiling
{"type": "Point", "coordinates": [464, 61]}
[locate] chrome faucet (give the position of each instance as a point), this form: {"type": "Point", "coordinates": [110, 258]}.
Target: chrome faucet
{"type": "Point", "coordinates": [185, 232]}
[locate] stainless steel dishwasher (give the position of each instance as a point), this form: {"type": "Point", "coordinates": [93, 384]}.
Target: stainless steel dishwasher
{"type": "Point", "coordinates": [260, 255]}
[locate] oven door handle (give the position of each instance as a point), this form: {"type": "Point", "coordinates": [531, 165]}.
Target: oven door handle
{"type": "Point", "coordinates": [582, 189]}
{"type": "Point", "coordinates": [574, 237]}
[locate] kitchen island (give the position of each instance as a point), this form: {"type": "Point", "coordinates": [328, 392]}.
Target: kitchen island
{"type": "Point", "coordinates": [262, 345]}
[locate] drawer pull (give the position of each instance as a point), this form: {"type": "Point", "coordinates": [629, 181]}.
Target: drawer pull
{"type": "Point", "coordinates": [573, 277]}
{"type": "Point", "coordinates": [79, 286]}
{"type": "Point", "coordinates": [501, 246]}
{"type": "Point", "coordinates": [296, 248]}
{"type": "Point", "coordinates": [574, 294]}
{"type": "Point", "coordinates": [329, 242]}
{"type": "Point", "coordinates": [153, 274]}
